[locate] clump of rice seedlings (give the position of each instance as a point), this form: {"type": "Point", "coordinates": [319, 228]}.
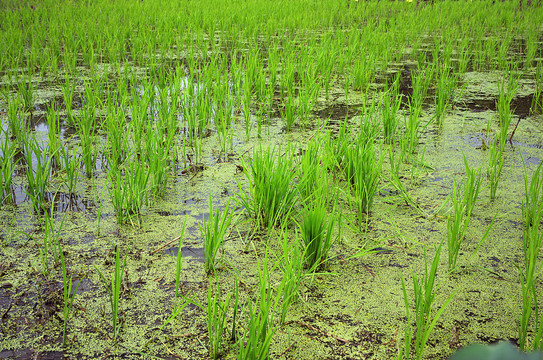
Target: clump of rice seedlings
{"type": "Point", "coordinates": [272, 197]}
{"type": "Point", "coordinates": [424, 321]}
{"type": "Point", "coordinates": [537, 100]}
{"type": "Point", "coordinates": [128, 189]}
{"type": "Point", "coordinates": [309, 170]}
{"type": "Point", "coordinates": [213, 232]}
{"type": "Point", "coordinates": [217, 311]}
{"type": "Point", "coordinates": [362, 171]}
{"type": "Point", "coordinates": [26, 91]}
{"type": "Point", "coordinates": [68, 92]}
{"type": "Point", "coordinates": [495, 165]}
{"type": "Point", "coordinates": [316, 228]}
{"type": "Point", "coordinates": [86, 129]}
{"type": "Point", "coordinates": [16, 121]}
{"type": "Point", "coordinates": [457, 224]}
{"type": "Point", "coordinates": [531, 320]}
{"type": "Point", "coordinates": [506, 93]}
{"type": "Point", "coordinates": [70, 163]}
{"type": "Point", "coordinates": [8, 150]}
{"type": "Point", "coordinates": [53, 134]}
{"type": "Point", "coordinates": [307, 98]}
{"type": "Point", "coordinates": [69, 294]}
{"type": "Point", "coordinates": [261, 327]}
{"type": "Point", "coordinates": [289, 111]}
{"type": "Point", "coordinates": [391, 104]}
{"type": "Point", "coordinates": [113, 288]}
{"type": "Point", "coordinates": [446, 85]}
{"type": "Point", "coordinates": [38, 172]}
{"type": "Point", "coordinates": [291, 265]}
{"type": "Point", "coordinates": [472, 187]}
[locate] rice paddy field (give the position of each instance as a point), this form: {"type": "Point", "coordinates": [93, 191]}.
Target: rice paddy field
{"type": "Point", "coordinates": [259, 179]}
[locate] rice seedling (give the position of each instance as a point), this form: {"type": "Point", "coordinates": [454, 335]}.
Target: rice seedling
{"type": "Point", "coordinates": [8, 162]}
{"type": "Point", "coordinates": [495, 165]}
{"type": "Point", "coordinates": [472, 187]}
{"type": "Point", "coordinates": [391, 104]}
{"type": "Point", "coordinates": [457, 224]}
{"type": "Point", "coordinates": [309, 171]}
{"type": "Point", "coordinates": [38, 172]}
{"type": "Point", "coordinates": [213, 232]}
{"type": "Point", "coordinates": [537, 100]}
{"type": "Point", "coordinates": [86, 133]}
{"type": "Point", "coordinates": [128, 191]}
{"type": "Point", "coordinates": [532, 210]}
{"type": "Point", "coordinates": [291, 265]}
{"type": "Point", "coordinates": [316, 228]}
{"type": "Point", "coordinates": [16, 121]}
{"type": "Point", "coordinates": [362, 171]}
{"type": "Point", "coordinates": [506, 93]}
{"type": "Point", "coordinates": [424, 298]}
{"type": "Point", "coordinates": [261, 325]}
{"type": "Point", "coordinates": [289, 111]}
{"type": "Point", "coordinates": [26, 91]}
{"type": "Point", "coordinates": [217, 310]}
{"type": "Point", "coordinates": [271, 197]}
{"type": "Point", "coordinates": [68, 92]}
{"type": "Point", "coordinates": [113, 288]}
{"type": "Point", "coordinates": [69, 294]}
{"type": "Point", "coordinates": [446, 85]}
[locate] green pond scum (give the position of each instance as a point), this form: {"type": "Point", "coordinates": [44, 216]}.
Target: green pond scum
{"type": "Point", "coordinates": [125, 125]}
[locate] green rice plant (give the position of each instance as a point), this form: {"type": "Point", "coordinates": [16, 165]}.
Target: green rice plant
{"type": "Point", "coordinates": [38, 172]}
{"type": "Point", "coordinates": [457, 224]}
{"type": "Point", "coordinates": [271, 197]}
{"type": "Point", "coordinates": [391, 104]}
{"type": "Point", "coordinates": [53, 134]}
{"type": "Point", "coordinates": [307, 98]}
{"type": "Point", "coordinates": [8, 162]}
{"type": "Point", "coordinates": [413, 129]}
{"type": "Point", "coordinates": [532, 211]}
{"type": "Point", "coordinates": [86, 129]}
{"type": "Point", "coordinates": [261, 327]}
{"type": "Point", "coordinates": [316, 228]}
{"type": "Point", "coordinates": [128, 191]}
{"type": "Point", "coordinates": [362, 171]}
{"type": "Point", "coordinates": [71, 163]}
{"type": "Point", "coordinates": [217, 310]}
{"type": "Point", "coordinates": [213, 232]}
{"type": "Point", "coordinates": [537, 99]}
{"type": "Point", "coordinates": [158, 153]}
{"type": "Point", "coordinates": [113, 288]}
{"type": "Point", "coordinates": [337, 148]}
{"type": "Point", "coordinates": [495, 165]}
{"type": "Point", "coordinates": [424, 297]}
{"type": "Point", "coordinates": [309, 171]}
{"type": "Point", "coordinates": [26, 92]}
{"type": "Point", "coordinates": [289, 111]}
{"type": "Point", "coordinates": [116, 131]}
{"type": "Point", "coordinates": [446, 85]}
{"type": "Point", "coordinates": [69, 294]}
{"type": "Point", "coordinates": [291, 265]}
{"type": "Point", "coordinates": [506, 92]}
{"type": "Point", "coordinates": [472, 187]}
{"type": "Point", "coordinates": [246, 103]}
{"type": "Point", "coordinates": [68, 92]}
{"type": "Point", "coordinates": [16, 120]}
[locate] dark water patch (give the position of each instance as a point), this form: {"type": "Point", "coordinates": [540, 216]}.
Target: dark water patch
{"type": "Point", "coordinates": [337, 112]}
{"type": "Point", "coordinates": [187, 252]}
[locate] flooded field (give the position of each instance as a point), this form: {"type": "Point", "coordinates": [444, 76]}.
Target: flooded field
{"type": "Point", "coordinates": [256, 179]}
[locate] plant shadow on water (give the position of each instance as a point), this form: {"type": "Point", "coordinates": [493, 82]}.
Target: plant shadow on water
{"type": "Point", "coordinates": [126, 153]}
